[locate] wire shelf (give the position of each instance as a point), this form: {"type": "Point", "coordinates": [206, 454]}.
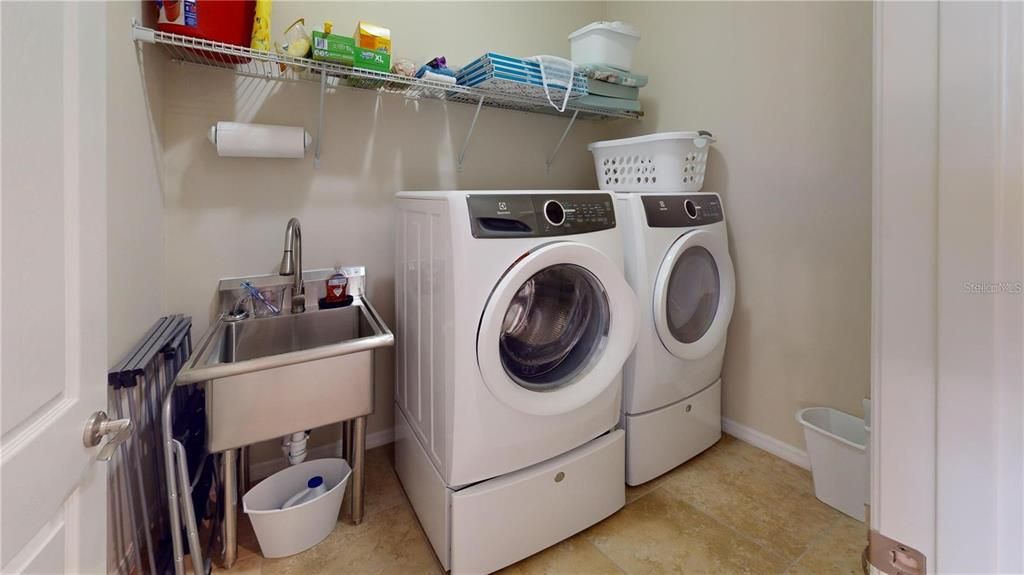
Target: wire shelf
{"type": "Point", "coordinates": [282, 67]}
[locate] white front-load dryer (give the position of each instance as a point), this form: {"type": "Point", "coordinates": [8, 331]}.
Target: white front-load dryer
{"type": "Point", "coordinates": [514, 320]}
{"type": "Point", "coordinates": [677, 260]}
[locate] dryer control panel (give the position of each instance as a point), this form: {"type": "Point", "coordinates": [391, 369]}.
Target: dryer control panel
{"type": "Point", "coordinates": [682, 211]}
{"type": "Point", "coordinates": [539, 215]}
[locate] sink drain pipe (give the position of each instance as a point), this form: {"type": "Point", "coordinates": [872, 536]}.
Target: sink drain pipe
{"type": "Point", "coordinates": [294, 446]}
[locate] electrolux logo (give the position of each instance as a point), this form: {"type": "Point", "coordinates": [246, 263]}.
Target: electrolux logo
{"type": "Point", "coordinates": [991, 287]}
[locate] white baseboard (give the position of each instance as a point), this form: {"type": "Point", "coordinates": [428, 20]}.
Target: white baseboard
{"type": "Point", "coordinates": [262, 469]}
{"type": "Point", "coordinates": [768, 443]}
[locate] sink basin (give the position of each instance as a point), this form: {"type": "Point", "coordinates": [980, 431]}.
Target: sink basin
{"type": "Point", "coordinates": [248, 340]}
{"type": "Point", "coordinates": [268, 377]}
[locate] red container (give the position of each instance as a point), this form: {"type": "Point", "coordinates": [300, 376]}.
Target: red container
{"type": "Point", "coordinates": [227, 21]}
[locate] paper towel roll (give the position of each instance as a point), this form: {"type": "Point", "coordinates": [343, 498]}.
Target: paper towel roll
{"type": "Point", "coordinates": [234, 139]}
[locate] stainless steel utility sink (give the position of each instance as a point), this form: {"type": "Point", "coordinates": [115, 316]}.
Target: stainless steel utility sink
{"type": "Point", "coordinates": [268, 377]}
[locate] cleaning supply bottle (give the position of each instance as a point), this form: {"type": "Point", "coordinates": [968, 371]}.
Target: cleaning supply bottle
{"type": "Point", "coordinates": [337, 286]}
{"type": "Point", "coordinates": [314, 488]}
{"type": "Point", "coordinates": [261, 27]}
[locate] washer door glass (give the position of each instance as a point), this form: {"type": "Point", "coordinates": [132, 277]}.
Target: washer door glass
{"type": "Point", "coordinates": [554, 327]}
{"type": "Point", "coordinates": [693, 292]}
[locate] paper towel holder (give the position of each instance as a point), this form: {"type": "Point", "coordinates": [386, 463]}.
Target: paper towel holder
{"type": "Point", "coordinates": [257, 153]}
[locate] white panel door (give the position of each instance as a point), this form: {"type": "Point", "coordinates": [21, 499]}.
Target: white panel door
{"type": "Point", "coordinates": [948, 316]}
{"type": "Point", "coordinates": [52, 286]}
{"type": "Point", "coordinates": [979, 449]}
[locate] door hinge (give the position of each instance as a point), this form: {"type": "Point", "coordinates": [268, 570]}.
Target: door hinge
{"type": "Point", "coordinates": [892, 557]}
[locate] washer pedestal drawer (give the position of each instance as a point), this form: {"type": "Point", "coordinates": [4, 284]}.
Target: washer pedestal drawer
{"type": "Point", "coordinates": [502, 520]}
{"type": "Point", "coordinates": [660, 440]}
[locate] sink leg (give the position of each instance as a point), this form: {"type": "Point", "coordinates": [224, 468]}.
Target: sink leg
{"type": "Point", "coordinates": [358, 468]}
{"type": "Point", "coordinates": [230, 507]}
{"type": "Point", "coordinates": [243, 470]}
{"type": "Point", "coordinates": [346, 441]}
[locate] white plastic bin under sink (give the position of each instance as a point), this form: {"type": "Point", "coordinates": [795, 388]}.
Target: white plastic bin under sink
{"type": "Point", "coordinates": [836, 445]}
{"type": "Point", "coordinates": [283, 532]}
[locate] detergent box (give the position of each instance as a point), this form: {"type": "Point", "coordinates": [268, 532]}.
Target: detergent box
{"type": "Point", "coordinates": [375, 60]}
{"type": "Point", "coordinates": [333, 48]}
{"type": "Point", "coordinates": [373, 37]}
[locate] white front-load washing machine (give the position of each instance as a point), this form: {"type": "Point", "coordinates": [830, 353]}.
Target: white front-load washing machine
{"type": "Point", "coordinates": [677, 260]}
{"type": "Point", "coordinates": [514, 320]}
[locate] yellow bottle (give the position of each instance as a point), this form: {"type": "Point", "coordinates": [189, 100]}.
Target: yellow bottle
{"type": "Point", "coordinates": [261, 27]}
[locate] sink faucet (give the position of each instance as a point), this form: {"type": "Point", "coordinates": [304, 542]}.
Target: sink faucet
{"type": "Point", "coordinates": [291, 264]}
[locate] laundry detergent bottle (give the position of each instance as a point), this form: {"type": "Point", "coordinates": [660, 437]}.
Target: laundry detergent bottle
{"type": "Point", "coordinates": [314, 488]}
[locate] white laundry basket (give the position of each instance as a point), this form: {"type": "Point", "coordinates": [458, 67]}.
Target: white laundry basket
{"type": "Point", "coordinates": [283, 532]}
{"type": "Point", "coordinates": [663, 162]}
{"type": "Point", "coordinates": [836, 445]}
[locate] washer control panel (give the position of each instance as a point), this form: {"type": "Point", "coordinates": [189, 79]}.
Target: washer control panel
{"type": "Point", "coordinates": [682, 210]}
{"type": "Point", "coordinates": [539, 215]}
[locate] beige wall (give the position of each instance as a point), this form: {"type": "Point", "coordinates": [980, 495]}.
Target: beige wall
{"type": "Point", "coordinates": [135, 248]}
{"type": "Point", "coordinates": [786, 89]}
{"type": "Point", "coordinates": [226, 216]}
{"type": "Point", "coordinates": [135, 211]}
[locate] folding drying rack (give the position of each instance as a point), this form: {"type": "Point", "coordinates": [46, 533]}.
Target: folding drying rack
{"type": "Point", "coordinates": [141, 381]}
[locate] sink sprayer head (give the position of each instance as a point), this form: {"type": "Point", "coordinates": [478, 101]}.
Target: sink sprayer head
{"type": "Point", "coordinates": [287, 268]}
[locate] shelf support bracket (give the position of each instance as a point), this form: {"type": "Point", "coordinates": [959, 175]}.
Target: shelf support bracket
{"type": "Point", "coordinates": [472, 126]}
{"type": "Point", "coordinates": [320, 119]}
{"type": "Point", "coordinates": [142, 34]}
{"type": "Point", "coordinates": [565, 134]}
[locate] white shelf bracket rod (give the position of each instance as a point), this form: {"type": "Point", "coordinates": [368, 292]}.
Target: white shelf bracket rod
{"type": "Point", "coordinates": [142, 34]}
{"type": "Point", "coordinates": [472, 126]}
{"type": "Point", "coordinates": [320, 119]}
{"type": "Point", "coordinates": [565, 134]}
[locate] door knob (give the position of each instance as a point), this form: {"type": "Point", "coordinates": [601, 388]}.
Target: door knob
{"type": "Point", "coordinates": [99, 425]}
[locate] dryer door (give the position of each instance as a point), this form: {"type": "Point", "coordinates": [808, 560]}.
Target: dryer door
{"type": "Point", "coordinates": [556, 329]}
{"type": "Point", "coordinates": [694, 294]}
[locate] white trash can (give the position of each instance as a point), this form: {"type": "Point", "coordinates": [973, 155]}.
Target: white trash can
{"type": "Point", "coordinates": [283, 532]}
{"type": "Point", "coordinates": [836, 445]}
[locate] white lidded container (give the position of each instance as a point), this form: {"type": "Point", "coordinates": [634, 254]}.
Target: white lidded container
{"type": "Point", "coordinates": [662, 162]}
{"type": "Point", "coordinates": [837, 447]}
{"type": "Point", "coordinates": [608, 43]}
{"type": "Point", "coordinates": [283, 532]}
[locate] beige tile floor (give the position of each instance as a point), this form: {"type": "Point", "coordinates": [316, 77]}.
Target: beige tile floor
{"type": "Point", "coordinates": [733, 509]}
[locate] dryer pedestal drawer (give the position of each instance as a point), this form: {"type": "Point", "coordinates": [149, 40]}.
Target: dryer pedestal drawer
{"type": "Point", "coordinates": [502, 520]}
{"type": "Point", "coordinates": [660, 440]}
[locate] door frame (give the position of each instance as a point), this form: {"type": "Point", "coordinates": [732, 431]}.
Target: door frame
{"type": "Point", "coordinates": [947, 448]}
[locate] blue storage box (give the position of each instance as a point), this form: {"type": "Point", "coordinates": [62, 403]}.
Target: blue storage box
{"type": "Point", "coordinates": [502, 73]}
